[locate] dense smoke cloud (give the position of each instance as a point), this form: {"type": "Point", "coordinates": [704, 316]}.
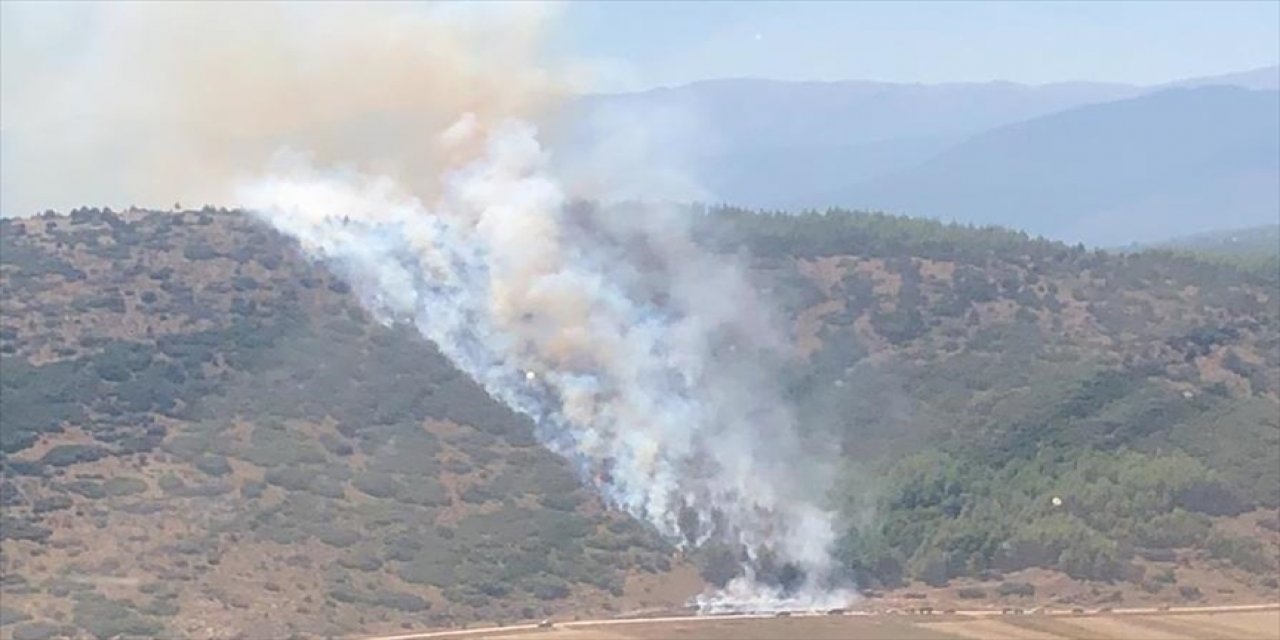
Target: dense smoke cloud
{"type": "Point", "coordinates": [641, 357]}
{"type": "Point", "coordinates": [403, 150]}
{"type": "Point", "coordinates": [150, 103]}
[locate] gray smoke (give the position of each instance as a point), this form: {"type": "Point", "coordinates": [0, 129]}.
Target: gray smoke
{"type": "Point", "coordinates": [641, 357]}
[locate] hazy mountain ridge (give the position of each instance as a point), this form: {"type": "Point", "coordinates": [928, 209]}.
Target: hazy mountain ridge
{"type": "Point", "coordinates": [1263, 239]}
{"type": "Point", "coordinates": [773, 144]}
{"type": "Point", "coordinates": [1176, 161]}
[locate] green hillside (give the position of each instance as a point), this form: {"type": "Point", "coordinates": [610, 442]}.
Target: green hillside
{"type": "Point", "coordinates": [1255, 249]}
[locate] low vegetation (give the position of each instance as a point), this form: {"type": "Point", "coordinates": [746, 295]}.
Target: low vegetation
{"type": "Point", "coordinates": [201, 427]}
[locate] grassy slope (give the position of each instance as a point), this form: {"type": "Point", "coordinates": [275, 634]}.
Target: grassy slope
{"type": "Point", "coordinates": [203, 429]}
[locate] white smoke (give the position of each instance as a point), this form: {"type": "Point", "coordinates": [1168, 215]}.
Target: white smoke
{"type": "Point", "coordinates": [641, 358]}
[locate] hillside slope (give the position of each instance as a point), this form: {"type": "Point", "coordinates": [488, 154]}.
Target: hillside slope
{"type": "Point", "coordinates": [971, 375]}
{"type": "Point", "coordinates": [204, 435]}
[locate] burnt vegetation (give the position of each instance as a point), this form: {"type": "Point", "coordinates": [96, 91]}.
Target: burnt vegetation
{"type": "Point", "coordinates": [202, 427]}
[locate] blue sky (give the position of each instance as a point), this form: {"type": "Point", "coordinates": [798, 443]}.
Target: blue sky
{"type": "Point", "coordinates": [643, 44]}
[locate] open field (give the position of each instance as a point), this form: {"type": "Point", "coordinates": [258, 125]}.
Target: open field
{"type": "Point", "coordinates": [1243, 623]}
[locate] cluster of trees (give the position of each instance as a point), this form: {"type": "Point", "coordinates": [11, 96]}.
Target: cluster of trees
{"type": "Point", "coordinates": [942, 516]}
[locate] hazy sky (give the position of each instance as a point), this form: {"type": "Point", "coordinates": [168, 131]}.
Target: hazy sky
{"type": "Point", "coordinates": [642, 44]}
{"type": "Point", "coordinates": [636, 45]}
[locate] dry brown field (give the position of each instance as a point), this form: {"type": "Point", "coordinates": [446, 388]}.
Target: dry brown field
{"type": "Point", "coordinates": [1170, 625]}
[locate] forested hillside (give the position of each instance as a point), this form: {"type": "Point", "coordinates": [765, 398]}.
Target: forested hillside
{"type": "Point", "coordinates": [203, 433]}
{"type": "Point", "coordinates": [1254, 249]}
{"type": "Point", "coordinates": [973, 375]}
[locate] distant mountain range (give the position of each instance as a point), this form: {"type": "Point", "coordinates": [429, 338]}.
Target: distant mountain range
{"type": "Point", "coordinates": [1100, 163]}
{"type": "Point", "coordinates": [1168, 163]}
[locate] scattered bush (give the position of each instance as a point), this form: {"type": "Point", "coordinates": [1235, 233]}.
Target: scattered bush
{"type": "Point", "coordinates": [12, 528]}
{"type": "Point", "coordinates": [65, 455]}
{"type": "Point", "coordinates": [435, 571]}
{"type": "Point", "coordinates": [9, 615]}
{"type": "Point", "coordinates": [37, 631]}
{"type": "Point", "coordinates": [1023, 589]}
{"type": "Point", "coordinates": [545, 587]}
{"type": "Point", "coordinates": [362, 560]}
{"type": "Point", "coordinates": [1245, 553]}
{"type": "Point", "coordinates": [87, 488]}
{"type": "Point", "coordinates": [337, 537]}
{"type": "Point", "coordinates": [124, 486]}
{"type": "Point", "coordinates": [214, 465]}
{"type": "Point", "coordinates": [103, 618]}
{"type": "Point", "coordinates": [399, 601]}
{"type": "Point", "coordinates": [55, 502]}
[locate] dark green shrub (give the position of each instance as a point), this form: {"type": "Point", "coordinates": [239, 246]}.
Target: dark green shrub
{"type": "Point", "coordinates": [37, 631]}
{"type": "Point", "coordinates": [362, 560]}
{"type": "Point", "coordinates": [170, 483]}
{"type": "Point", "coordinates": [399, 601]}
{"type": "Point", "coordinates": [435, 571]}
{"type": "Point", "coordinates": [213, 465]}
{"type": "Point", "coordinates": [124, 486]}
{"type": "Point", "coordinates": [252, 489]}
{"type": "Point", "coordinates": [291, 478]}
{"type": "Point", "coordinates": [718, 565]}
{"type": "Point", "coordinates": [546, 587]}
{"type": "Point", "coordinates": [55, 502]}
{"type": "Point", "coordinates": [87, 488]}
{"type": "Point", "coordinates": [163, 607]}
{"type": "Point", "coordinates": [478, 494]}
{"type": "Point", "coordinates": [9, 615]}
{"type": "Point", "coordinates": [426, 492]}
{"type": "Point", "coordinates": [336, 537]}
{"type": "Point", "coordinates": [1245, 553]}
{"type": "Point", "coordinates": [103, 618]}
{"type": "Point", "coordinates": [17, 529]}
{"type": "Point", "coordinates": [199, 251]}
{"type": "Point", "coordinates": [65, 455]}
{"type": "Point", "coordinates": [336, 445]}
{"type": "Point", "coordinates": [378, 485]}
{"type": "Point", "coordinates": [1024, 589]}
{"type": "Point", "coordinates": [561, 501]}
{"type": "Point", "coordinates": [343, 593]}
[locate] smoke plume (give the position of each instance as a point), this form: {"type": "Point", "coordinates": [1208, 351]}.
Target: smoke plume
{"type": "Point", "coordinates": [417, 175]}
{"type": "Point", "coordinates": [641, 357]}
{"type": "Point", "coordinates": [152, 103]}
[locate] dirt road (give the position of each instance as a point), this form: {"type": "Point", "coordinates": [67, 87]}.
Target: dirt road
{"type": "Point", "coordinates": [1261, 621]}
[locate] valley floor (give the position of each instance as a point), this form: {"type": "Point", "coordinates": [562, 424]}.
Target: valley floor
{"type": "Point", "coordinates": [1191, 623]}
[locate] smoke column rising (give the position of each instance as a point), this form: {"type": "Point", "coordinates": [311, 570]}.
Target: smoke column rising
{"type": "Point", "coordinates": [639, 356]}
{"type": "Point", "coordinates": [152, 102]}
